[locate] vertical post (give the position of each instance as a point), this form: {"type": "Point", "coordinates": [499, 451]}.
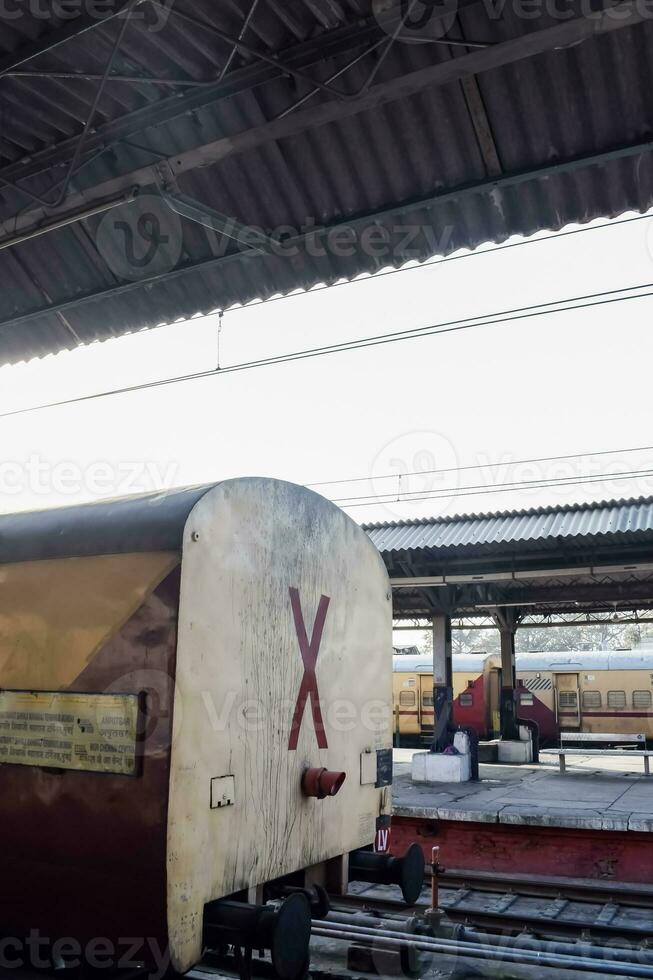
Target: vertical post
{"type": "Point", "coordinates": [509, 726]}
{"type": "Point", "coordinates": [435, 869]}
{"type": "Point", "coordinates": [442, 681]}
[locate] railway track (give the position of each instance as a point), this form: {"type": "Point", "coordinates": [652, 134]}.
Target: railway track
{"type": "Point", "coordinates": [549, 907]}
{"type": "Point", "coordinates": [595, 889]}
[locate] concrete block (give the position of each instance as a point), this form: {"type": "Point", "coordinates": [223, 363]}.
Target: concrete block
{"type": "Point", "coordinates": [461, 743]}
{"type": "Point", "coordinates": [436, 767]}
{"type": "Point", "coordinates": [524, 734]}
{"type": "Point", "coordinates": [516, 752]}
{"type": "Point", "coordinates": [488, 751]}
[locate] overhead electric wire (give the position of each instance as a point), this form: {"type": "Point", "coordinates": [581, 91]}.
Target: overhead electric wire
{"type": "Point", "coordinates": [453, 493]}
{"type": "Point", "coordinates": [518, 484]}
{"type": "Point", "coordinates": [558, 481]}
{"type": "Point", "coordinates": [450, 326]}
{"type": "Point", "coordinates": [480, 466]}
{"type": "Point", "coordinates": [370, 501]}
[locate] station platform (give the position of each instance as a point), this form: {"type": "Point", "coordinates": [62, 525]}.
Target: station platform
{"type": "Point", "coordinates": [590, 822]}
{"type": "Point", "coordinates": [585, 797]}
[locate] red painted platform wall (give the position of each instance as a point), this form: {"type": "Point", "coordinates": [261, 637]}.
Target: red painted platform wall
{"type": "Point", "coordinates": [614, 855]}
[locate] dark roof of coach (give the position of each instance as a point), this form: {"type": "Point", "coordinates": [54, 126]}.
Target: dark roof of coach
{"type": "Point", "coordinates": [152, 522]}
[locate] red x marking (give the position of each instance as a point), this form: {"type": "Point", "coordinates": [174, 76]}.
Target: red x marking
{"type": "Point", "coordinates": [309, 652]}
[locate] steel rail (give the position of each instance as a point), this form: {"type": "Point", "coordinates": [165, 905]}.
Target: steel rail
{"type": "Point", "coordinates": [626, 893]}
{"type": "Point", "coordinates": [510, 918]}
{"type": "Point", "coordinates": [481, 951]}
{"type": "Point", "coordinates": [526, 943]}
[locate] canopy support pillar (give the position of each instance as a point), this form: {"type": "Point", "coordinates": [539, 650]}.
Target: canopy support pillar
{"type": "Point", "coordinates": [442, 682]}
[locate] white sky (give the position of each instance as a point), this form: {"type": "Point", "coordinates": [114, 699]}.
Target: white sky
{"type": "Point", "coordinates": [569, 383]}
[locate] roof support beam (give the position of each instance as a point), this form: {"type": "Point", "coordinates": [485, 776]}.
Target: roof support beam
{"type": "Point", "coordinates": [482, 127]}
{"type": "Point", "coordinates": [563, 596]}
{"type": "Point", "coordinates": [455, 69]}
{"type": "Point", "coordinates": [479, 118]}
{"type": "Point", "coordinates": [593, 571]}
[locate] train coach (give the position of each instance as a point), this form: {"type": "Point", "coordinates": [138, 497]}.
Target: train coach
{"type": "Point", "coordinates": [582, 691]}
{"type": "Point", "coordinates": [195, 718]}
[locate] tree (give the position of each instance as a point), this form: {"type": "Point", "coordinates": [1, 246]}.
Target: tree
{"type": "Point", "coordinates": [530, 639]}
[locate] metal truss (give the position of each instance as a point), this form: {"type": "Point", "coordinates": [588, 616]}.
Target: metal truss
{"type": "Point", "coordinates": [281, 64]}
{"type": "Point", "coordinates": [335, 110]}
{"type": "Point", "coordinates": [48, 213]}
{"type": "Point", "coordinates": [537, 620]}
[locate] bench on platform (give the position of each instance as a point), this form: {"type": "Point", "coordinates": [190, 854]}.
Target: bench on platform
{"type": "Point", "coordinates": [626, 746]}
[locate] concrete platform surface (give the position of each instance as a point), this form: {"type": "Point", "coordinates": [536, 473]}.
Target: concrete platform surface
{"type": "Point", "coordinates": [585, 797]}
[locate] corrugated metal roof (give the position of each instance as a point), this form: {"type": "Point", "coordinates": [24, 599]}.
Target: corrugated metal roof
{"type": "Point", "coordinates": [591, 521]}
{"type": "Point", "coordinates": [461, 161]}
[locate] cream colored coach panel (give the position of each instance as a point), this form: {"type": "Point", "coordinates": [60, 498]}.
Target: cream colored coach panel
{"type": "Point", "coordinates": [237, 816]}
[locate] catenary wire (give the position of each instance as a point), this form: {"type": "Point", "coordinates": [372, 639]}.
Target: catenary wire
{"type": "Point", "coordinates": [466, 323]}
{"type": "Point", "coordinates": [538, 481]}
{"type": "Point", "coordinates": [481, 466]}
{"type": "Point", "coordinates": [453, 494]}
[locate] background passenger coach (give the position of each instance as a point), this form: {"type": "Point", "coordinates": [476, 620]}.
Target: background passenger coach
{"type": "Point", "coordinates": [590, 691]}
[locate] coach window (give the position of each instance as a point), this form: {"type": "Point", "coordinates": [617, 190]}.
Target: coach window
{"type": "Point", "coordinates": [466, 700]}
{"type": "Point", "coordinates": [427, 699]}
{"type": "Point", "coordinates": [616, 699]}
{"type": "Point", "coordinates": [526, 698]}
{"type": "Point", "coordinates": [591, 699]}
{"type": "Point", "coordinates": [568, 699]}
{"type": "Point", "coordinates": [407, 699]}
{"type": "Point", "coordinates": [641, 699]}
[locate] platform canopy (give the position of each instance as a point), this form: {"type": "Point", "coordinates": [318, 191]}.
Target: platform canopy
{"type": "Point", "coordinates": [585, 557]}
{"type": "Point", "coordinates": [143, 140]}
